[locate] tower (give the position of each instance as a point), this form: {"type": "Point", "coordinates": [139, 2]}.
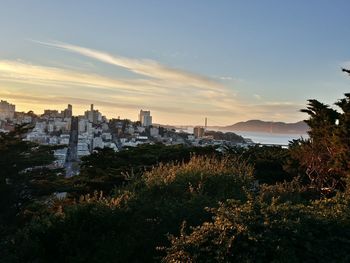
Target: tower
{"type": "Point", "coordinates": [67, 113]}
{"type": "Point", "coordinates": [145, 118]}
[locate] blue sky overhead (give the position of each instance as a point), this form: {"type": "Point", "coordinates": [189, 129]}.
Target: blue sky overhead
{"type": "Point", "coordinates": [183, 60]}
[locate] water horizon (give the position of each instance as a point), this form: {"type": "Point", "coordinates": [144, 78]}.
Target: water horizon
{"type": "Point", "coordinates": [271, 138]}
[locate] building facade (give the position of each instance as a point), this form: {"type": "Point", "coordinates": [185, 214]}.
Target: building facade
{"type": "Point", "coordinates": [7, 110]}
{"type": "Point", "coordinates": [198, 131]}
{"type": "Point", "coordinates": [145, 118]}
{"type": "Point", "coordinates": [93, 116]}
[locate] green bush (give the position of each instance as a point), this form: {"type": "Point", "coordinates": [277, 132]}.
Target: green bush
{"type": "Point", "coordinates": [133, 225]}
{"type": "Point", "coordinates": [256, 231]}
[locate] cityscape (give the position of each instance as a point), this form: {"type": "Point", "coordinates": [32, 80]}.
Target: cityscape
{"type": "Point", "coordinates": [174, 131]}
{"type": "Point", "coordinates": [86, 133]}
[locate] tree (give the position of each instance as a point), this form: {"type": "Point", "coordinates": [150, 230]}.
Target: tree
{"type": "Point", "coordinates": [24, 173]}
{"type": "Point", "coordinates": [342, 138]}
{"type": "Point", "coordinates": [268, 162]}
{"type": "Point", "coordinates": [325, 156]}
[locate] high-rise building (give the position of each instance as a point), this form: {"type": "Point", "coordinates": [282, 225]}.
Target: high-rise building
{"type": "Point", "coordinates": [145, 118]}
{"type": "Point", "coordinates": [82, 125]}
{"type": "Point", "coordinates": [67, 113]}
{"type": "Point", "coordinates": [92, 115]}
{"type": "Point", "coordinates": [198, 131]}
{"type": "Point", "coordinates": [7, 110]}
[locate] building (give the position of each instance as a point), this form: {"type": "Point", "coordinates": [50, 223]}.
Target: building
{"type": "Point", "coordinates": [82, 125]}
{"type": "Point", "coordinates": [93, 116]}
{"type": "Point", "coordinates": [22, 118]}
{"type": "Point", "coordinates": [60, 155]}
{"type": "Point", "coordinates": [51, 114]}
{"type": "Point", "coordinates": [83, 145]}
{"type": "Point", "coordinates": [106, 136]}
{"type": "Point", "coordinates": [7, 110]}
{"type": "Point", "coordinates": [67, 113]}
{"type": "Point", "coordinates": [154, 131]}
{"type": "Point", "coordinates": [97, 143]}
{"type": "Point", "coordinates": [145, 118]}
{"type": "Point", "coordinates": [64, 139]}
{"type": "Point", "coordinates": [198, 131]}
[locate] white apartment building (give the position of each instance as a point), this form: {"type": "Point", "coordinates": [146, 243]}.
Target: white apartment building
{"type": "Point", "coordinates": [106, 136]}
{"type": "Point", "coordinates": [64, 139]}
{"type": "Point", "coordinates": [145, 118]}
{"type": "Point", "coordinates": [97, 143]}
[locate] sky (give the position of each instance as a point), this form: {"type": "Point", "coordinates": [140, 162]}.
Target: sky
{"type": "Point", "coordinates": [184, 60]}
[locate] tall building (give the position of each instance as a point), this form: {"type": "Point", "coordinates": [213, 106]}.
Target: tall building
{"type": "Point", "coordinates": [7, 110]}
{"type": "Point", "coordinates": [145, 118]}
{"type": "Point", "coordinates": [67, 113]}
{"type": "Point", "coordinates": [198, 131]}
{"type": "Point", "coordinates": [82, 125]}
{"type": "Point", "coordinates": [92, 115]}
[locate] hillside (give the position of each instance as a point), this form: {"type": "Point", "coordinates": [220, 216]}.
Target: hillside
{"type": "Point", "coordinates": [268, 126]}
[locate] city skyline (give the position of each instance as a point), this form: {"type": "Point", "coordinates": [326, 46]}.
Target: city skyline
{"type": "Point", "coordinates": [229, 61]}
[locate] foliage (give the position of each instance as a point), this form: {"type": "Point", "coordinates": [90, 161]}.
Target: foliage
{"type": "Point", "coordinates": [130, 226]}
{"type": "Point", "coordinates": [293, 192]}
{"type": "Point", "coordinates": [256, 231]}
{"type": "Point", "coordinates": [105, 169]}
{"type": "Point", "coordinates": [24, 175]}
{"type": "Point", "coordinates": [227, 136]}
{"type": "Point", "coordinates": [183, 204]}
{"type": "Point", "coordinates": [268, 162]}
{"type": "Point", "coordinates": [325, 156]}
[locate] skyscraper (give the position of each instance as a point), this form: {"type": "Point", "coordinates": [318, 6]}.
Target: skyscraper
{"type": "Point", "coordinates": [67, 113]}
{"type": "Point", "coordinates": [145, 118]}
{"type": "Point", "coordinates": [92, 115]}
{"type": "Point", "coordinates": [198, 131]}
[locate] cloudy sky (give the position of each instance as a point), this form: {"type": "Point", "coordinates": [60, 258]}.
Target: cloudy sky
{"type": "Point", "coordinates": [183, 60]}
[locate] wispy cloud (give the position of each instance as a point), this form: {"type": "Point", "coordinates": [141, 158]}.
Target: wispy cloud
{"type": "Point", "coordinates": [228, 79]}
{"type": "Point", "coordinates": [225, 78]}
{"type": "Point", "coordinates": [156, 94]}
{"type": "Point", "coordinates": [257, 96]}
{"type": "Point", "coordinates": [145, 67]}
{"type": "Point", "coordinates": [42, 75]}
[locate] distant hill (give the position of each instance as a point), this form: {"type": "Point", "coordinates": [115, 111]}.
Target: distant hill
{"type": "Point", "coordinates": [227, 136]}
{"type": "Point", "coordinates": [268, 126]}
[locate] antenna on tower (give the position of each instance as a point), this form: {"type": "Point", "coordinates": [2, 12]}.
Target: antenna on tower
{"type": "Point", "coordinates": [206, 122]}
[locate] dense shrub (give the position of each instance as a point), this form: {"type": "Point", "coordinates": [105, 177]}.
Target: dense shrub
{"type": "Point", "coordinates": [268, 161]}
{"type": "Point", "coordinates": [255, 231]}
{"type": "Point", "coordinates": [132, 225]}
{"type": "Point", "coordinates": [105, 169]}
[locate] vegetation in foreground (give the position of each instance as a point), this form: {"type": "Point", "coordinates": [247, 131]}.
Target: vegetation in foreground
{"type": "Point", "coordinates": [159, 204]}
